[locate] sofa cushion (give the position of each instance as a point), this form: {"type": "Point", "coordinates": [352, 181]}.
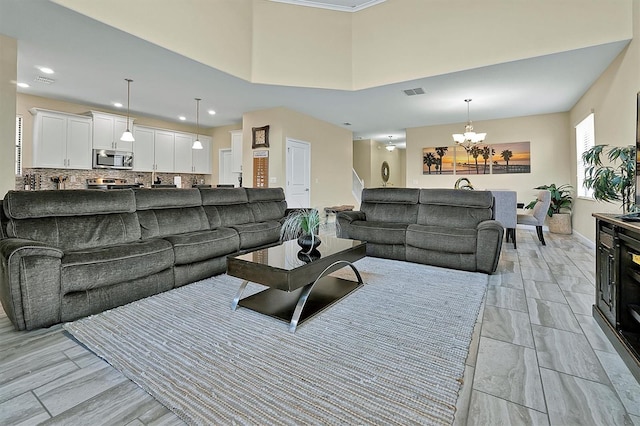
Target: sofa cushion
{"type": "Point", "coordinates": [171, 221]}
{"type": "Point", "coordinates": [258, 234]}
{"type": "Point", "coordinates": [442, 238]}
{"type": "Point", "coordinates": [255, 195]}
{"type": "Point", "coordinates": [266, 203]}
{"type": "Point", "coordinates": [166, 198]}
{"type": "Point", "coordinates": [225, 207]}
{"type": "Point", "coordinates": [103, 266]}
{"type": "Point", "coordinates": [78, 232]}
{"type": "Point", "coordinates": [457, 208]}
{"type": "Point", "coordinates": [73, 202]}
{"type": "Point", "coordinates": [202, 245]}
{"type": "Point", "coordinates": [398, 205]}
{"type": "Point", "coordinates": [378, 232]}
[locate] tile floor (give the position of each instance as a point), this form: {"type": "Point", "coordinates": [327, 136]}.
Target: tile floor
{"type": "Point", "coordinates": [537, 357]}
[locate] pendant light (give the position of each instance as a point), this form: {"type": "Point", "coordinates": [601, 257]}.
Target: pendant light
{"type": "Point", "coordinates": [390, 147]}
{"type": "Point", "coordinates": [127, 136]}
{"type": "Point", "coordinates": [469, 137]}
{"type": "Point", "coordinates": [196, 143]}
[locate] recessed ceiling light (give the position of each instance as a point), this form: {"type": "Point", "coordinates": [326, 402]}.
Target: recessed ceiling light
{"type": "Point", "coordinates": [117, 104]}
{"type": "Point", "coordinates": [23, 85]}
{"type": "Point", "coordinates": [46, 70]}
{"type": "Point", "coordinates": [211, 112]}
{"type": "Point", "coordinates": [182, 118]}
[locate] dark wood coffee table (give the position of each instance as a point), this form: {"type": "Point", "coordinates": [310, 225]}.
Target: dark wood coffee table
{"type": "Point", "coordinates": [298, 289]}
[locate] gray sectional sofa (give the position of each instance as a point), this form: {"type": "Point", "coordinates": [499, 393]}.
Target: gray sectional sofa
{"type": "Point", "coordinates": [68, 254]}
{"type": "Point", "coordinates": [451, 228]}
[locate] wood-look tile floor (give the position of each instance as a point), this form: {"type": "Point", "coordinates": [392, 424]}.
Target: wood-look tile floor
{"type": "Point", "coordinates": [537, 357]}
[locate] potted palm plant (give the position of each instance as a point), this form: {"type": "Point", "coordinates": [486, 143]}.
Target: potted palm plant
{"type": "Point", "coordinates": [613, 182]}
{"type": "Point", "coordinates": [302, 224]}
{"type": "Point", "coordinates": [559, 212]}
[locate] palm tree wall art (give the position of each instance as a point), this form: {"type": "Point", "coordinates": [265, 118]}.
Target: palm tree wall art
{"type": "Point", "coordinates": [514, 157]}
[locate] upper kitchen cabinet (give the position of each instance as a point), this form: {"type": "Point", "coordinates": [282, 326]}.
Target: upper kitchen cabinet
{"type": "Point", "coordinates": [183, 156]}
{"type": "Point", "coordinates": [153, 150]}
{"type": "Point", "coordinates": [202, 157]}
{"type": "Point", "coordinates": [61, 140]}
{"type": "Point", "coordinates": [107, 131]}
{"type": "Point", "coordinates": [189, 160]}
{"type": "Point", "coordinates": [144, 149]}
{"type": "Point", "coordinates": [236, 151]}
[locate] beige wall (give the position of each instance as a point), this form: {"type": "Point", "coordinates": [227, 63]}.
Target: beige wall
{"type": "Point", "coordinates": [331, 153]}
{"type": "Point", "coordinates": [215, 32]}
{"type": "Point", "coordinates": [438, 37]}
{"type": "Point", "coordinates": [8, 71]}
{"type": "Point", "coordinates": [550, 153]}
{"type": "Point", "coordinates": [613, 100]}
{"type": "Point", "coordinates": [368, 156]}
{"type": "Point", "coordinates": [301, 46]}
{"type": "Point", "coordinates": [275, 43]}
{"type": "Point", "coordinates": [362, 159]}
{"type": "Point", "coordinates": [393, 159]}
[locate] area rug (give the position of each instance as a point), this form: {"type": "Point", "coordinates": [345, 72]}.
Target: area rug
{"type": "Point", "coordinates": [392, 352]}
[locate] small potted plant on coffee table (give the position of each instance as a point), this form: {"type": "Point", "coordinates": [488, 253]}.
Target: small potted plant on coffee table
{"type": "Point", "coordinates": [302, 224]}
{"type": "Point", "coordinates": [560, 208]}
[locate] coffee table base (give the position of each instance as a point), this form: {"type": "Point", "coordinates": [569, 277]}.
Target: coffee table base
{"type": "Point", "coordinates": [295, 307]}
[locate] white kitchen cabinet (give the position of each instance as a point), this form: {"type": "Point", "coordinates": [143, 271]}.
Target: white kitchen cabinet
{"type": "Point", "coordinates": [201, 163]}
{"type": "Point", "coordinates": [164, 151]}
{"type": "Point", "coordinates": [107, 131]}
{"type": "Point", "coordinates": [236, 151]}
{"type": "Point", "coordinates": [144, 149]}
{"type": "Point", "coordinates": [61, 140]}
{"type": "Point", "coordinates": [167, 151]}
{"type": "Point", "coordinates": [183, 152]}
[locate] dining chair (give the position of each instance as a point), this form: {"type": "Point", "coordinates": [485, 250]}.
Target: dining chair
{"type": "Point", "coordinates": [505, 211]}
{"type": "Point", "coordinates": [538, 214]}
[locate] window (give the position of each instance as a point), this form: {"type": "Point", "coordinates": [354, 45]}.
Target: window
{"type": "Point", "coordinates": [18, 145]}
{"type": "Point", "coordinates": [585, 140]}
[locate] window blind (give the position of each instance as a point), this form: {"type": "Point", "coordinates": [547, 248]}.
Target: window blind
{"type": "Point", "coordinates": [585, 140]}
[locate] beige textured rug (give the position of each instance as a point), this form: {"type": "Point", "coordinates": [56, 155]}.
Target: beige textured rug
{"type": "Point", "coordinates": [392, 352]}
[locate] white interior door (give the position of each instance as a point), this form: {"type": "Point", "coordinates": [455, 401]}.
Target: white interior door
{"type": "Point", "coordinates": [225, 175]}
{"type": "Point", "coordinates": [298, 189]}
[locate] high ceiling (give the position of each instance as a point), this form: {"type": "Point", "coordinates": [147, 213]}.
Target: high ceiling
{"type": "Point", "coordinates": [91, 61]}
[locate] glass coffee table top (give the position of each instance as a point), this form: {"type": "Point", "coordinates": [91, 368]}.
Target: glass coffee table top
{"type": "Point", "coordinates": [291, 277]}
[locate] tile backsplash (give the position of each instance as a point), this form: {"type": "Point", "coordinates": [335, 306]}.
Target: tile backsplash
{"type": "Point", "coordinates": [41, 179]}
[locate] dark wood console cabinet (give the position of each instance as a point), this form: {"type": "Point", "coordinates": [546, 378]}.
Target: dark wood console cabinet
{"type": "Point", "coordinates": [617, 305]}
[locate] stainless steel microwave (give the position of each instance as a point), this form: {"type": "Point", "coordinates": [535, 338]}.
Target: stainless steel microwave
{"type": "Point", "coordinates": [105, 159]}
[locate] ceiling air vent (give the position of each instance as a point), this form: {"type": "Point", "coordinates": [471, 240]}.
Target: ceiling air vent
{"type": "Point", "coordinates": [44, 80]}
{"type": "Point", "coordinates": [413, 92]}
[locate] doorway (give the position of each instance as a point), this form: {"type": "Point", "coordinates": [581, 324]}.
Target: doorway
{"type": "Point", "coordinates": [225, 175]}
{"type": "Point", "coordinates": [298, 173]}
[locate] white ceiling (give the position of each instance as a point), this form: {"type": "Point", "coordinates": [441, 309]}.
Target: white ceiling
{"type": "Point", "coordinates": [91, 61]}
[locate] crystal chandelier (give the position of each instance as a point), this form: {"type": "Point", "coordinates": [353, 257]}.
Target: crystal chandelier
{"type": "Point", "coordinates": [469, 137]}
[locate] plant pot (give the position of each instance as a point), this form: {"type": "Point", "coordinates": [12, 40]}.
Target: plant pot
{"type": "Point", "coordinates": [560, 223]}
{"type": "Point", "coordinates": [308, 242]}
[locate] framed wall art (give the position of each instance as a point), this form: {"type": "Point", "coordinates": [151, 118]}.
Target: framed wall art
{"type": "Point", "coordinates": [260, 137]}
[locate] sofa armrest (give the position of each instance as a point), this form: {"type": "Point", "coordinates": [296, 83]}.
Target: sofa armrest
{"type": "Point", "coordinates": [344, 219]}
{"type": "Point", "coordinates": [488, 245]}
{"type": "Point", "coordinates": [30, 283]}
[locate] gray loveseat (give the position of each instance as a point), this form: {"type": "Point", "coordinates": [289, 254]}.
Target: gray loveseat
{"type": "Point", "coordinates": [451, 228]}
{"type": "Point", "coordinates": [68, 254]}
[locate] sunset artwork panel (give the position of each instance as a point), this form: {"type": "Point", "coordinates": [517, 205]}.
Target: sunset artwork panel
{"type": "Point", "coordinates": [513, 157]}
{"type": "Point", "coordinates": [438, 160]}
